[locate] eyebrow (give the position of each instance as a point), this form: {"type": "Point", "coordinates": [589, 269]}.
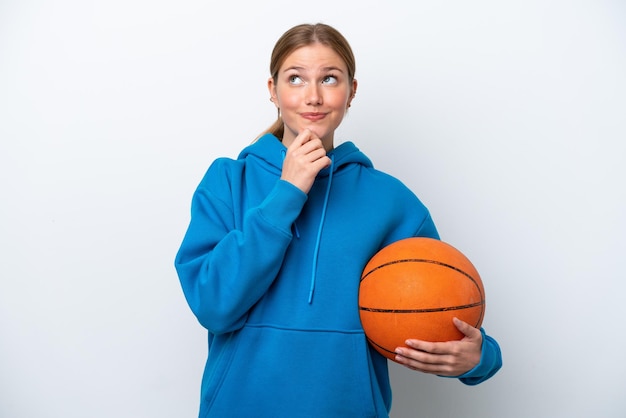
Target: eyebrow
{"type": "Point", "coordinates": [324, 69]}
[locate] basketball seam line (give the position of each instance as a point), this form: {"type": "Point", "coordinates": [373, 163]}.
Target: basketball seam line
{"type": "Point", "coordinates": [381, 347]}
{"type": "Point", "coordinates": [423, 310]}
{"type": "Point", "coordinates": [422, 260]}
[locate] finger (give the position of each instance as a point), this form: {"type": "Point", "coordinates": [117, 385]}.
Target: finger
{"type": "Point", "coordinates": [305, 144]}
{"type": "Point", "coordinates": [314, 147]}
{"type": "Point", "coordinates": [421, 362]}
{"type": "Point", "coordinates": [416, 357]}
{"type": "Point", "coordinates": [323, 162]}
{"type": "Point", "coordinates": [303, 137]}
{"type": "Point", "coordinates": [316, 164]}
{"type": "Point", "coordinates": [427, 346]}
{"type": "Point", "coordinates": [465, 328]}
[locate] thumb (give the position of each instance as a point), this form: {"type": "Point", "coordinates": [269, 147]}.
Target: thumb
{"type": "Point", "coordinates": [467, 330]}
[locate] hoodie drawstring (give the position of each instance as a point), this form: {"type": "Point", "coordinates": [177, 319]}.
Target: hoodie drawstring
{"type": "Point", "coordinates": [319, 230]}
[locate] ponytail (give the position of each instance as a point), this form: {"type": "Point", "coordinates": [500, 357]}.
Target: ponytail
{"type": "Point", "coordinates": [277, 129]}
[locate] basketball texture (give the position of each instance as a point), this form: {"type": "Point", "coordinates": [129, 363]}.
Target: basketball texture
{"type": "Point", "coordinates": [413, 288]}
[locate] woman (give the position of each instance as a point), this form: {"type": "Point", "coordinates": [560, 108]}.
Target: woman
{"type": "Point", "coordinates": [271, 261]}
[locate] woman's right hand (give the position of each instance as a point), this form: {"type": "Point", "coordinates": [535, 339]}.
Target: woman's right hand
{"type": "Point", "coordinates": [305, 158]}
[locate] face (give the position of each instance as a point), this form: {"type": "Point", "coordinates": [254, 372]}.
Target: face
{"type": "Point", "coordinates": [312, 91]}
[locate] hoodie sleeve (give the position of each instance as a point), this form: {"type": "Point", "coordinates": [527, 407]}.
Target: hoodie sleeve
{"type": "Point", "coordinates": [490, 363]}
{"type": "Point", "coordinates": [225, 270]}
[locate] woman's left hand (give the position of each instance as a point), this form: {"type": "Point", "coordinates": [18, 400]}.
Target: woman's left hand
{"type": "Point", "coordinates": [451, 358]}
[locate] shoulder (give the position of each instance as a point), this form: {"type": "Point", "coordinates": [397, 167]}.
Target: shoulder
{"type": "Point", "coordinates": [223, 166]}
{"type": "Point", "coordinates": [387, 182]}
{"type": "Point", "coordinates": [400, 199]}
{"type": "Point", "coordinates": [221, 174]}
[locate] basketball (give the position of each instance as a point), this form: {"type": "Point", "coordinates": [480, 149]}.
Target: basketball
{"type": "Point", "coordinates": [412, 288]}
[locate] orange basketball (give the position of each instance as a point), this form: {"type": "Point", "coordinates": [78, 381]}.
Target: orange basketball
{"type": "Point", "coordinates": [413, 288]}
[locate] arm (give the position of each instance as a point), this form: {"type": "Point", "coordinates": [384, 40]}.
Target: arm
{"type": "Point", "coordinates": [223, 270]}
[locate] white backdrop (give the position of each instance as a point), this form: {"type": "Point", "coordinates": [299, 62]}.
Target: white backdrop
{"type": "Point", "coordinates": [507, 118]}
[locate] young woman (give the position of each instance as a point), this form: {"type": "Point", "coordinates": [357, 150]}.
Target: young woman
{"type": "Point", "coordinates": [278, 238]}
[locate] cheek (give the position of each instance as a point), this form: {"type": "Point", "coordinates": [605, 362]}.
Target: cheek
{"type": "Point", "coordinates": [288, 100]}
{"type": "Point", "coordinates": [340, 99]}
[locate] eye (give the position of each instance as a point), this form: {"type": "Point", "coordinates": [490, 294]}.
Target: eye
{"type": "Point", "coordinates": [295, 80]}
{"type": "Point", "coordinates": [329, 79]}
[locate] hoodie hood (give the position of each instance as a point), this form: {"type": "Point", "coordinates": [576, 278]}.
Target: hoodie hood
{"type": "Point", "coordinates": [269, 149]}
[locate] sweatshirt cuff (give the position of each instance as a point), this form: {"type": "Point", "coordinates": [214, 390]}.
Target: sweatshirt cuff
{"type": "Point", "coordinates": [283, 205]}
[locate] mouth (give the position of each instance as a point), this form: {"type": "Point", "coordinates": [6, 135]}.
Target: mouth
{"type": "Point", "coordinates": [313, 116]}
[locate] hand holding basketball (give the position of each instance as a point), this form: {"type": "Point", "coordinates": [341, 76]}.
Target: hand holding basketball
{"type": "Point", "coordinates": [451, 358]}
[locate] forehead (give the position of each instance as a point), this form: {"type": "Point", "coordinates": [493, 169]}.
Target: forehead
{"type": "Point", "coordinates": [313, 57]}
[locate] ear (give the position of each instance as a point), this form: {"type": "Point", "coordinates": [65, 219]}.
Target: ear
{"type": "Point", "coordinates": [271, 86]}
{"type": "Point", "coordinates": [353, 93]}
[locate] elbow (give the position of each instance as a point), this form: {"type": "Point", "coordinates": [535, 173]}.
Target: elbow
{"type": "Point", "coordinates": [213, 306]}
{"type": "Point", "coordinates": [218, 319]}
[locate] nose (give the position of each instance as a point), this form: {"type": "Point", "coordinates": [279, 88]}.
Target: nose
{"type": "Point", "coordinates": [313, 95]}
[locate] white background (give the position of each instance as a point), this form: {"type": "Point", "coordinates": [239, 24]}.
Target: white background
{"type": "Point", "coordinates": [507, 118]}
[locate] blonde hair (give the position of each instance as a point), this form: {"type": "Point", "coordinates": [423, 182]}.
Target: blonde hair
{"type": "Point", "coordinates": [304, 35]}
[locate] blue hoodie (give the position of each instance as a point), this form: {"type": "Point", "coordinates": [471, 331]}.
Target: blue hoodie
{"type": "Point", "coordinates": [273, 274]}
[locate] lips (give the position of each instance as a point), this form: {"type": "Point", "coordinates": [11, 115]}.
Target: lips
{"type": "Point", "coordinates": [313, 116]}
